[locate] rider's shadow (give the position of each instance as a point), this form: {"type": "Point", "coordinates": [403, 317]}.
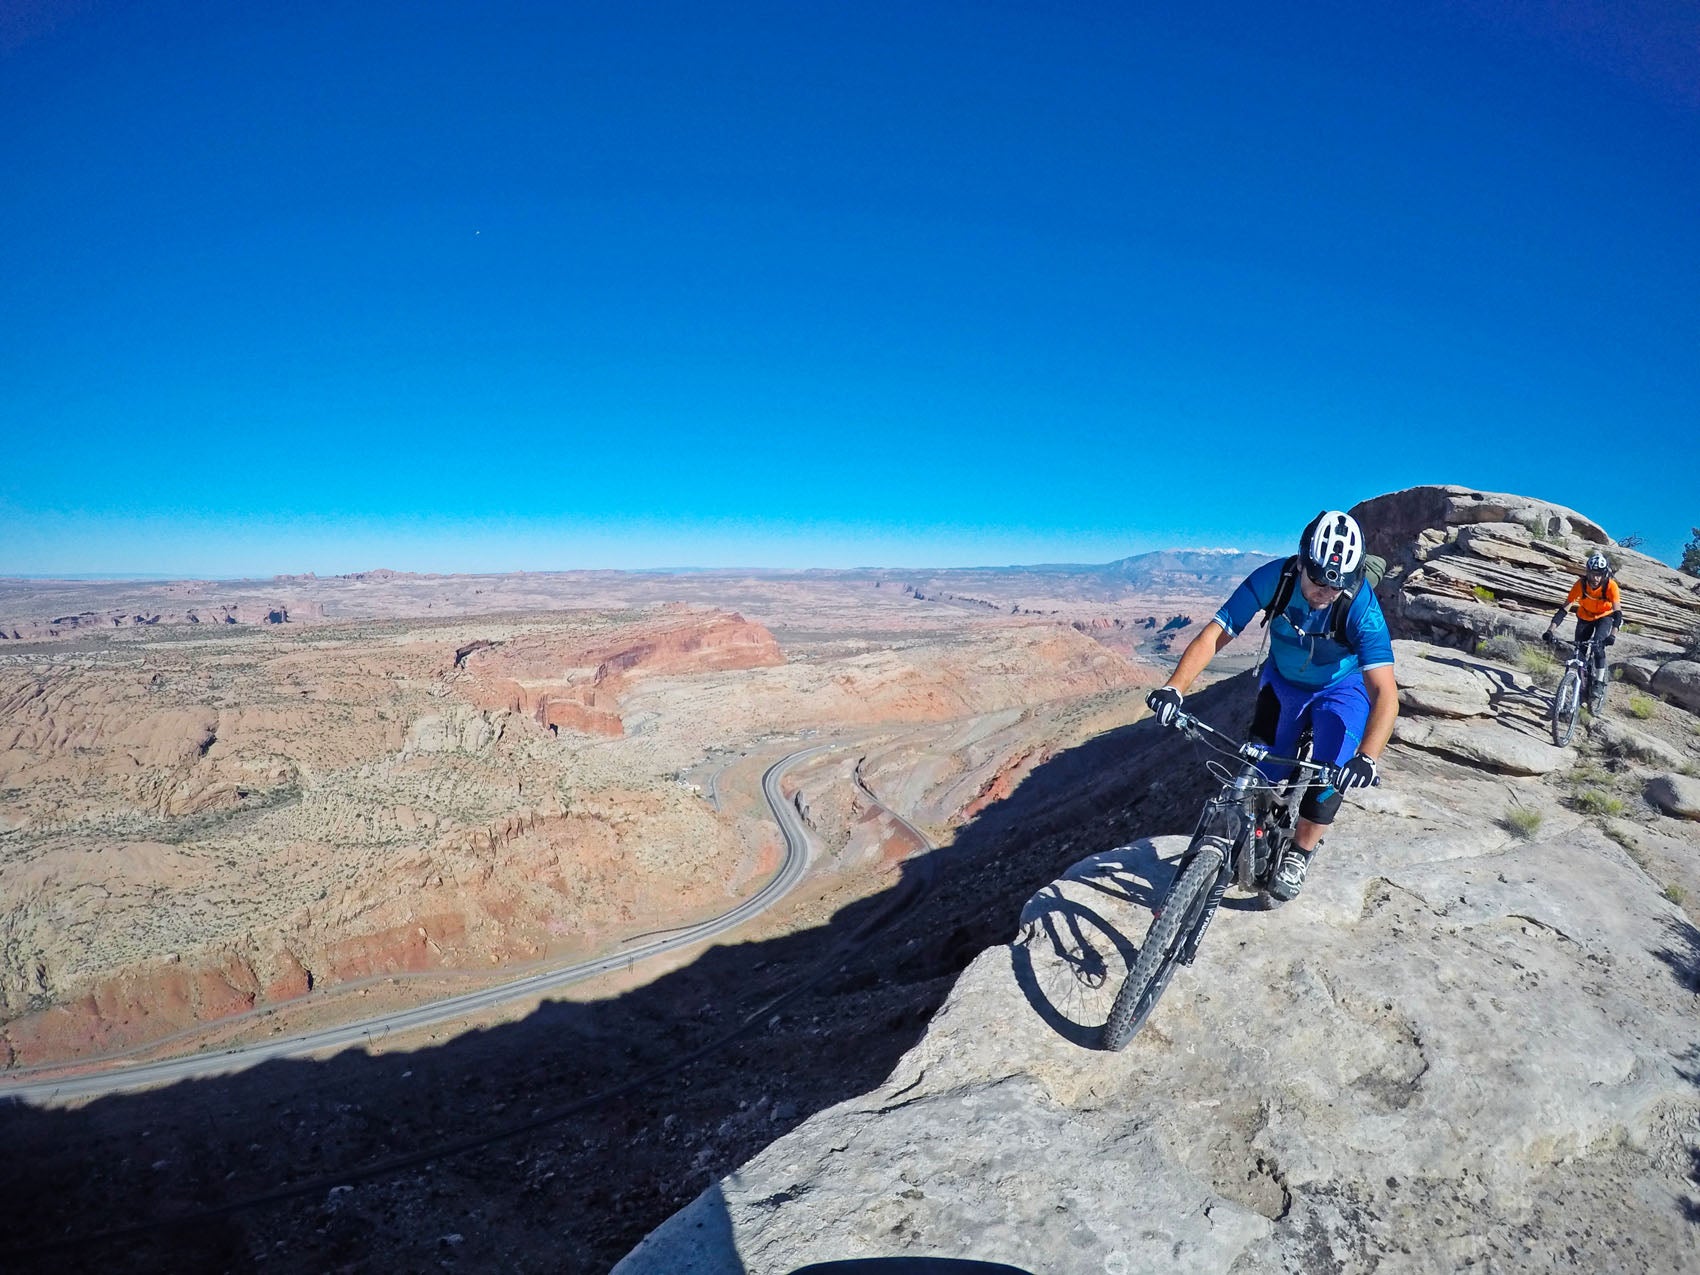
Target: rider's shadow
{"type": "Point", "coordinates": [1506, 696]}
{"type": "Point", "coordinates": [1075, 943]}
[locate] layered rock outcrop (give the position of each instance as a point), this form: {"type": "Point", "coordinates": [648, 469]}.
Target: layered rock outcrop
{"type": "Point", "coordinates": [1463, 565]}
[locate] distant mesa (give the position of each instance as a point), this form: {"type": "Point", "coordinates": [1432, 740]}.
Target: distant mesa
{"type": "Point", "coordinates": [379, 575]}
{"type": "Point", "coordinates": [1190, 568]}
{"type": "Point", "coordinates": [293, 611]}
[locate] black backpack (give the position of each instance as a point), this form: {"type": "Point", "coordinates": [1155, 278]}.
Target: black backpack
{"type": "Point", "coordinates": [1373, 569]}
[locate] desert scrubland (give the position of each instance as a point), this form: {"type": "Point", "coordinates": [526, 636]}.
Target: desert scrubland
{"type": "Point", "coordinates": [220, 798]}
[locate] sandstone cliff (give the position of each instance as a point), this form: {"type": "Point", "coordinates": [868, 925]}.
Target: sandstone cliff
{"type": "Point", "coordinates": [1465, 564]}
{"type": "Point", "coordinates": [577, 685]}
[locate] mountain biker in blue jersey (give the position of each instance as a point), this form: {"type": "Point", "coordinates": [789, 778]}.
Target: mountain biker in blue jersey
{"type": "Point", "coordinates": [1330, 668]}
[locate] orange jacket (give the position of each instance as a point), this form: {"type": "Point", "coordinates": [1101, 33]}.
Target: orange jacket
{"type": "Point", "coordinates": [1593, 606]}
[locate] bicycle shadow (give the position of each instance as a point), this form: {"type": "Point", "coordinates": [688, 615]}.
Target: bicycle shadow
{"type": "Point", "coordinates": [1074, 946]}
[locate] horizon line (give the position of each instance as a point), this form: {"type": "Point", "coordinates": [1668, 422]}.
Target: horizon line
{"type": "Point", "coordinates": [274, 577]}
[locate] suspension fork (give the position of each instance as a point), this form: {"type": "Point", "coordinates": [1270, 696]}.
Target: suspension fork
{"type": "Point", "coordinates": [1237, 848]}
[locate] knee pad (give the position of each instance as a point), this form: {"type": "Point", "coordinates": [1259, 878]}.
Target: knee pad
{"type": "Point", "coordinates": [1320, 811]}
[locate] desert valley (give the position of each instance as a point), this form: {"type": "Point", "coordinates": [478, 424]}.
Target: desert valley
{"type": "Point", "coordinates": [233, 814]}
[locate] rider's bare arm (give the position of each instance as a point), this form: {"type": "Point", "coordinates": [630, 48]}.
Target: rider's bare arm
{"type": "Point", "coordinates": [1383, 709]}
{"type": "Point", "coordinates": [1198, 654]}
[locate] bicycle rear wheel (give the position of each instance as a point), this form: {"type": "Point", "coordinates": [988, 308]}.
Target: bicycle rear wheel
{"type": "Point", "coordinates": [1566, 705]}
{"type": "Point", "coordinates": [1161, 951]}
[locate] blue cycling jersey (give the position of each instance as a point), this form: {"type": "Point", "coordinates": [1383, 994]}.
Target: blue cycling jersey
{"type": "Point", "coordinates": [1299, 642]}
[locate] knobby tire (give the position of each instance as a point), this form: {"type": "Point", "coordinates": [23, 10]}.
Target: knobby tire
{"type": "Point", "coordinates": [1161, 950]}
{"type": "Point", "coordinates": [1566, 707]}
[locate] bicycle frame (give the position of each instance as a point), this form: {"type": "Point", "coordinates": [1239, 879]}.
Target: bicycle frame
{"type": "Point", "coordinates": [1588, 690]}
{"type": "Point", "coordinates": [1581, 657]}
{"type": "Point", "coordinates": [1236, 819]}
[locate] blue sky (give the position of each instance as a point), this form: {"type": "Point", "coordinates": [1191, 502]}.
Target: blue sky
{"type": "Point", "coordinates": [500, 286]}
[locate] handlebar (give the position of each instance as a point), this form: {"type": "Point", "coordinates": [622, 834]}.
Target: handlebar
{"type": "Point", "coordinates": [1256, 753]}
{"type": "Point", "coordinates": [1576, 648]}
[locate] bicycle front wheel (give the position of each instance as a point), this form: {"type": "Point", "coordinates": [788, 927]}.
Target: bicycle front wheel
{"type": "Point", "coordinates": [1566, 704]}
{"type": "Point", "coordinates": [1161, 951]}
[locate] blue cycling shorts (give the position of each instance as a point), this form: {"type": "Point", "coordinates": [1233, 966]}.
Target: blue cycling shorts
{"type": "Point", "coordinates": [1336, 715]}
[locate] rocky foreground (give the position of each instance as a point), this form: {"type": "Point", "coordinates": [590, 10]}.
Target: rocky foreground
{"type": "Point", "coordinates": [1455, 1047]}
{"type": "Point", "coordinates": [1471, 1042]}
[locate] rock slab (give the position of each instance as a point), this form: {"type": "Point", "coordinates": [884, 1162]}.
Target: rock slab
{"type": "Point", "coordinates": [1679, 682]}
{"type": "Point", "coordinates": [1485, 744]}
{"type": "Point", "coordinates": [1676, 795]}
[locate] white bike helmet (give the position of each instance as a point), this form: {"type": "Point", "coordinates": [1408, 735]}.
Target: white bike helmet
{"type": "Point", "coordinates": [1598, 564]}
{"type": "Point", "coordinates": [1331, 551]}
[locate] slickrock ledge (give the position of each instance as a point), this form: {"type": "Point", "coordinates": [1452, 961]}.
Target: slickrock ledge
{"type": "Point", "coordinates": [1454, 1048]}
{"type": "Point", "coordinates": [1464, 565]}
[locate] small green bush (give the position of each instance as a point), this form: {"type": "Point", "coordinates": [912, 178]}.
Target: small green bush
{"type": "Point", "coordinates": [1485, 594]}
{"type": "Point", "coordinates": [1538, 664]}
{"type": "Point", "coordinates": [1675, 893]}
{"type": "Point", "coordinates": [1587, 774]}
{"type": "Point", "coordinates": [1521, 822]}
{"type": "Point", "coordinates": [1592, 801]}
{"type": "Point", "coordinates": [1641, 706]}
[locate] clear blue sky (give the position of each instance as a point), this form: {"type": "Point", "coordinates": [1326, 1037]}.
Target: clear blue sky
{"type": "Point", "coordinates": [491, 286]}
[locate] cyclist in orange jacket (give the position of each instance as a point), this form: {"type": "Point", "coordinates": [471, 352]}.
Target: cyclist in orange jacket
{"type": "Point", "coordinates": [1599, 615]}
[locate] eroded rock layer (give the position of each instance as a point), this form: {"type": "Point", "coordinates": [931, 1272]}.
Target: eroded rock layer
{"type": "Point", "coordinates": [1464, 565]}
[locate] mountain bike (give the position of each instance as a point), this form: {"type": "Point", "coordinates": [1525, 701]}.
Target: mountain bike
{"type": "Point", "coordinates": [1577, 686]}
{"type": "Point", "coordinates": [1240, 837]}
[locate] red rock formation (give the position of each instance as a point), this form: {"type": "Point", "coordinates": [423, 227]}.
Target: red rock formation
{"type": "Point", "coordinates": [575, 685]}
{"type": "Point", "coordinates": [138, 1005]}
{"type": "Point", "coordinates": [561, 714]}
{"type": "Point", "coordinates": [1005, 781]}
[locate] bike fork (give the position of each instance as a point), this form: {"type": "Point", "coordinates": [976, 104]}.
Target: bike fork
{"type": "Point", "coordinates": [1189, 951]}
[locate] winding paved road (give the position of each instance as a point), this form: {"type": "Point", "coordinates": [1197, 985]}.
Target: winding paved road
{"type": "Point", "coordinates": [372, 1031]}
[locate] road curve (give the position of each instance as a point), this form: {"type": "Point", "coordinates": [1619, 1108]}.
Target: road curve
{"type": "Point", "coordinates": [372, 1031]}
